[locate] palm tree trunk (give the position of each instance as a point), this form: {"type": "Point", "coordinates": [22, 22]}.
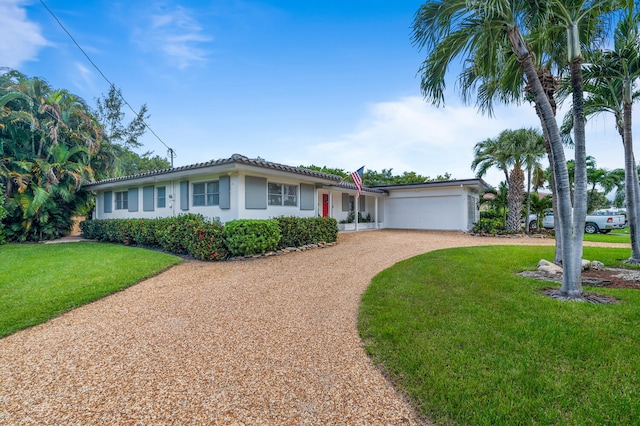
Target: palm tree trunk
{"type": "Point", "coordinates": [515, 197]}
{"type": "Point", "coordinates": [571, 281]}
{"type": "Point", "coordinates": [526, 223]}
{"type": "Point", "coordinates": [557, 257]}
{"type": "Point", "coordinates": [631, 185]}
{"type": "Point", "coordinates": [580, 174]}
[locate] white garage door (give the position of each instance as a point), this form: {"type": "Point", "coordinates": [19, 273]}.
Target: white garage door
{"type": "Point", "coordinates": [437, 213]}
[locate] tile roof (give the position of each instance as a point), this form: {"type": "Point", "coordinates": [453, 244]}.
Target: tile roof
{"type": "Point", "coordinates": [235, 158]}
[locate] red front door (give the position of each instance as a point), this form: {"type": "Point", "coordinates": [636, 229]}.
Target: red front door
{"type": "Point", "coordinates": [325, 205]}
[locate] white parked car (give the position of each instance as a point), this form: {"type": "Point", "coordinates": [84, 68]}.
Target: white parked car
{"type": "Point", "coordinates": [603, 222]}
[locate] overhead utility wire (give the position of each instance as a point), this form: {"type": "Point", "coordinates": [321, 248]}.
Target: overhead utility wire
{"type": "Point", "coordinates": [171, 151]}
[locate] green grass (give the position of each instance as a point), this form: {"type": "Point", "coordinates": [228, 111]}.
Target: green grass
{"type": "Point", "coordinates": [615, 236]}
{"type": "Point", "coordinates": [471, 342]}
{"type": "Point", "coordinates": [40, 281]}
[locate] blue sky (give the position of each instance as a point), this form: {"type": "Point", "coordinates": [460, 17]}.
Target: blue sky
{"type": "Point", "coordinates": [330, 82]}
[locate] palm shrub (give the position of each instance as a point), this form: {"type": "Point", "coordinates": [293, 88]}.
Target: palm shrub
{"type": "Point", "coordinates": [3, 214]}
{"type": "Point", "coordinates": [249, 236]}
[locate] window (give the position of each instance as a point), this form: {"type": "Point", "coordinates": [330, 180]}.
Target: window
{"type": "Point", "coordinates": [162, 196]}
{"type": "Point", "coordinates": [290, 195]}
{"type": "Point", "coordinates": [122, 200]}
{"type": "Point", "coordinates": [283, 195]}
{"type": "Point", "coordinates": [275, 194]}
{"type": "Point", "coordinates": [206, 193]}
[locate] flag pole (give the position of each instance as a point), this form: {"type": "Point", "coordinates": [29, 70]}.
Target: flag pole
{"type": "Point", "coordinates": [356, 211]}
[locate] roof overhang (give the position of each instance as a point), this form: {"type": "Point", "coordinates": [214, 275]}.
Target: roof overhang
{"type": "Point", "coordinates": [477, 185]}
{"type": "Point", "coordinates": [235, 164]}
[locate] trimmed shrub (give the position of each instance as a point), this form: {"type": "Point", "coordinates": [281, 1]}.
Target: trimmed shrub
{"type": "Point", "coordinates": [300, 231]}
{"type": "Point", "coordinates": [207, 242]}
{"type": "Point", "coordinates": [247, 236]}
{"type": "Point", "coordinates": [191, 234]}
{"type": "Point", "coordinates": [174, 233]}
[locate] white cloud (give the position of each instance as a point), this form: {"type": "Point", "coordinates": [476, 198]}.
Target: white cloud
{"type": "Point", "coordinates": [410, 135]}
{"type": "Point", "coordinates": [175, 33]}
{"type": "Point", "coordinates": [21, 38]}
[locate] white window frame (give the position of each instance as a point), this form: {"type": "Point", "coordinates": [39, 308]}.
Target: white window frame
{"type": "Point", "coordinates": [207, 193]}
{"type": "Point", "coordinates": [122, 200]}
{"type": "Point", "coordinates": [161, 200]}
{"type": "Point", "coordinates": [282, 194]}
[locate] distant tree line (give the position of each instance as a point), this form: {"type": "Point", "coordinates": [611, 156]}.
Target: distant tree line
{"type": "Point", "coordinates": [385, 177]}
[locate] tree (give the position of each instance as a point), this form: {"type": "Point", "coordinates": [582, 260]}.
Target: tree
{"type": "Point", "coordinates": [385, 177]}
{"type": "Point", "coordinates": [121, 138]}
{"type": "Point", "coordinates": [47, 137]}
{"type": "Point", "coordinates": [610, 80]}
{"type": "Point", "coordinates": [498, 201]}
{"type": "Point", "coordinates": [3, 214]}
{"type": "Point", "coordinates": [512, 151]}
{"type": "Point", "coordinates": [539, 206]}
{"type": "Point", "coordinates": [487, 36]}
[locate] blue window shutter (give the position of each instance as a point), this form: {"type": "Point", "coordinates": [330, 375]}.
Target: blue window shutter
{"type": "Point", "coordinates": [147, 198]}
{"type": "Point", "coordinates": [345, 202]}
{"type": "Point", "coordinates": [307, 197]}
{"type": "Point", "coordinates": [255, 192]}
{"type": "Point", "coordinates": [184, 195]}
{"type": "Point", "coordinates": [108, 201]}
{"type": "Point", "coordinates": [225, 192]}
{"type": "Point", "coordinates": [133, 199]}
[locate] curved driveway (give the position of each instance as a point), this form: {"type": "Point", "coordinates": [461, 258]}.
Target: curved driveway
{"type": "Point", "coordinates": [265, 341]}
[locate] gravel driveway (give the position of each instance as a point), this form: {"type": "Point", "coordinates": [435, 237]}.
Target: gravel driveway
{"type": "Point", "coordinates": [265, 341]}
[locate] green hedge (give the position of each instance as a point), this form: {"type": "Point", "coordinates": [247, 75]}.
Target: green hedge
{"type": "Point", "coordinates": [300, 231]}
{"type": "Point", "coordinates": [174, 233]}
{"type": "Point", "coordinates": [191, 234]}
{"type": "Point", "coordinates": [246, 237]}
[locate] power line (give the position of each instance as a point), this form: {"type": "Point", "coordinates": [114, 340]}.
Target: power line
{"type": "Point", "coordinates": [171, 151]}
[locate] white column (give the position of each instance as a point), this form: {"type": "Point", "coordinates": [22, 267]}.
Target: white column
{"type": "Point", "coordinates": [356, 211]}
{"type": "Point", "coordinates": [375, 213]}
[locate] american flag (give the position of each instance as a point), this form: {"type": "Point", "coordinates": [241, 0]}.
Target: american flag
{"type": "Point", "coordinates": [357, 178]}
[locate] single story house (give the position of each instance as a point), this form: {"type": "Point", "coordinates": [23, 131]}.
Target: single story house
{"type": "Point", "coordinates": [242, 188]}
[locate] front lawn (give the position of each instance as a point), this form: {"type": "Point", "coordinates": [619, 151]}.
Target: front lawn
{"type": "Point", "coordinates": [40, 281]}
{"type": "Point", "coordinates": [471, 342]}
{"type": "Point", "coordinates": [615, 236]}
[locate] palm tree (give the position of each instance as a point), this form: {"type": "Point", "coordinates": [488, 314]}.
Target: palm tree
{"type": "Point", "coordinates": [609, 83]}
{"type": "Point", "coordinates": [487, 36]}
{"type": "Point", "coordinates": [539, 206]}
{"type": "Point", "coordinates": [510, 152]}
{"type": "Point", "coordinates": [533, 152]}
{"type": "Point", "coordinates": [47, 140]}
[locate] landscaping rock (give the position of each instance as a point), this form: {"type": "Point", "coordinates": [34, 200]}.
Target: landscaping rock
{"type": "Point", "coordinates": [549, 267]}
{"type": "Point", "coordinates": [597, 266]}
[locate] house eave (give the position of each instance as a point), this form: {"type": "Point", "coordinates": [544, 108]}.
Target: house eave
{"type": "Point", "coordinates": [475, 184]}
{"type": "Point", "coordinates": [236, 163]}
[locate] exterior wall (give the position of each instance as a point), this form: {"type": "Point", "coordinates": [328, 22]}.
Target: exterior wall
{"type": "Point", "coordinates": [272, 211]}
{"type": "Point", "coordinates": [433, 209]}
{"type": "Point", "coordinates": [237, 208]}
{"type": "Point", "coordinates": [336, 205]}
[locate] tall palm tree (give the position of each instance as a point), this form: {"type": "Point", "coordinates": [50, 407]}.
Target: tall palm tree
{"type": "Point", "coordinates": [609, 83]}
{"type": "Point", "coordinates": [510, 152]}
{"type": "Point", "coordinates": [486, 36]}
{"type": "Point", "coordinates": [533, 152]}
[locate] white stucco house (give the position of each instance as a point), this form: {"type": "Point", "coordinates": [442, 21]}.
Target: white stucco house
{"type": "Point", "coordinates": [242, 188]}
